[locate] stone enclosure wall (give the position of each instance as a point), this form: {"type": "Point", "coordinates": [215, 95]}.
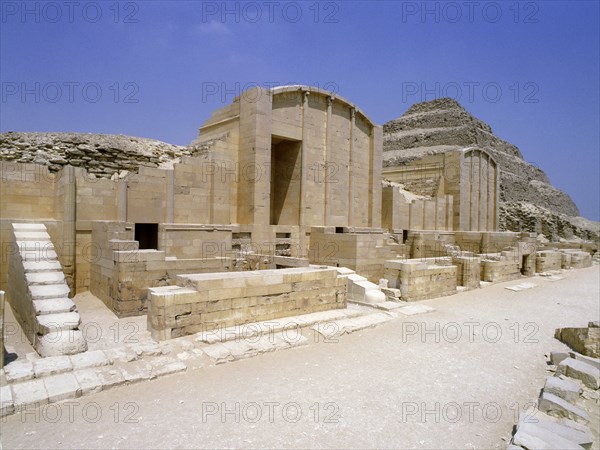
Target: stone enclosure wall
{"type": "Point", "coordinates": [203, 302]}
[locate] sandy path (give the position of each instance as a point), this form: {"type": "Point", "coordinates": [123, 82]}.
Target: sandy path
{"type": "Point", "coordinates": [391, 386]}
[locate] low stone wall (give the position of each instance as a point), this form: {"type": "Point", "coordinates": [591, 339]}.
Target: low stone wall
{"type": "Point", "coordinates": [578, 259]}
{"type": "Point", "coordinates": [468, 271]}
{"type": "Point", "coordinates": [203, 302]}
{"type": "Point", "coordinates": [121, 273]}
{"type": "Point", "coordinates": [418, 280]}
{"type": "Point", "coordinates": [546, 260]}
{"type": "Point", "coordinates": [501, 269]}
{"type": "Point", "coordinates": [360, 249]}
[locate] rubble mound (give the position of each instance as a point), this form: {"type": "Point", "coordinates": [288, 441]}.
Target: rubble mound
{"type": "Point", "coordinates": [443, 124]}
{"type": "Point", "coordinates": [100, 154]}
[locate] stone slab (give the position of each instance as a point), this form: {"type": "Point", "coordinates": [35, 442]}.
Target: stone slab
{"type": "Point", "coordinates": [29, 394]}
{"type": "Point", "coordinates": [51, 365]}
{"type": "Point", "coordinates": [411, 310]}
{"type": "Point", "coordinates": [7, 404]}
{"type": "Point", "coordinates": [532, 436]}
{"type": "Point", "coordinates": [580, 370]}
{"type": "Point", "coordinates": [558, 407]}
{"type": "Point", "coordinates": [88, 380]}
{"type": "Point", "coordinates": [85, 360]}
{"type": "Point", "coordinates": [18, 371]}
{"type": "Point", "coordinates": [62, 387]}
{"type": "Point", "coordinates": [53, 306]}
{"type": "Point", "coordinates": [565, 389]}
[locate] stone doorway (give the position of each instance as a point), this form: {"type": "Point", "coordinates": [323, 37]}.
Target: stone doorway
{"type": "Point", "coordinates": [286, 175]}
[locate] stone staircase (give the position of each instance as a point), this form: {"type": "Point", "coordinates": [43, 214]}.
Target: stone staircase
{"type": "Point", "coordinates": [39, 294]}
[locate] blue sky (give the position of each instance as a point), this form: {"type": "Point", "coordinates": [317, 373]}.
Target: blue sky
{"type": "Point", "coordinates": [157, 69]}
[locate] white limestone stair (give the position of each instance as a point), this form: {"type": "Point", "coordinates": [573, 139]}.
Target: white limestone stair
{"type": "Point", "coordinates": [56, 325]}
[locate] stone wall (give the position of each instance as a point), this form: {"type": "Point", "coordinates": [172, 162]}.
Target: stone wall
{"type": "Point", "coordinates": [419, 280]}
{"type": "Point", "coordinates": [122, 273]}
{"type": "Point", "coordinates": [499, 269]}
{"type": "Point", "coordinates": [203, 302]}
{"type": "Point", "coordinates": [468, 271]}
{"type": "Point", "coordinates": [548, 260]}
{"type": "Point", "coordinates": [400, 213]}
{"type": "Point", "coordinates": [362, 250]}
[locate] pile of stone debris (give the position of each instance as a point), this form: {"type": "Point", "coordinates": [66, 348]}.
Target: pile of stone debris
{"type": "Point", "coordinates": [567, 413]}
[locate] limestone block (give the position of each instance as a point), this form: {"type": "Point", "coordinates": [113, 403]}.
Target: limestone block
{"type": "Point", "coordinates": [565, 389]}
{"type": "Point", "coordinates": [61, 342]}
{"type": "Point", "coordinates": [110, 377]}
{"type": "Point", "coordinates": [533, 436]}
{"type": "Point", "coordinates": [568, 429]}
{"type": "Point", "coordinates": [51, 365]}
{"type": "Point", "coordinates": [62, 387]}
{"type": "Point", "coordinates": [557, 357]}
{"type": "Point", "coordinates": [18, 371]}
{"type": "Point", "coordinates": [40, 292]}
{"type": "Point", "coordinates": [49, 323]}
{"type": "Point", "coordinates": [85, 360]}
{"type": "Point", "coordinates": [53, 306]}
{"type": "Point", "coordinates": [557, 407]}
{"type": "Point", "coordinates": [7, 405]}
{"type": "Point", "coordinates": [29, 394]}
{"type": "Point", "coordinates": [588, 374]}
{"type": "Point", "coordinates": [88, 381]}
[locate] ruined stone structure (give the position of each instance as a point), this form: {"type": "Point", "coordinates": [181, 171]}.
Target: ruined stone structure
{"type": "Point", "coordinates": [526, 200]}
{"type": "Point", "coordinates": [224, 233]}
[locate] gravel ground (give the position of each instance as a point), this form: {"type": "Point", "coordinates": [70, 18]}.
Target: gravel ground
{"type": "Point", "coordinates": [453, 378]}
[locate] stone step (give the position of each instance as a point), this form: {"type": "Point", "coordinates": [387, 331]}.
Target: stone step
{"type": "Point", "coordinates": [29, 227]}
{"type": "Point", "coordinates": [41, 236]}
{"type": "Point", "coordinates": [36, 278]}
{"type": "Point", "coordinates": [50, 323]}
{"type": "Point", "coordinates": [61, 342]}
{"type": "Point", "coordinates": [53, 306]}
{"type": "Point", "coordinates": [41, 254]}
{"type": "Point", "coordinates": [40, 292]}
{"type": "Point", "coordinates": [41, 266]}
{"type": "Point", "coordinates": [580, 370]}
{"type": "Point", "coordinates": [34, 245]}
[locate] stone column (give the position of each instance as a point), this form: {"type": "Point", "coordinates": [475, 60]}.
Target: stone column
{"type": "Point", "coordinates": [171, 197]}
{"type": "Point", "coordinates": [69, 236]}
{"type": "Point", "coordinates": [303, 174]}
{"type": "Point", "coordinates": [326, 158]}
{"type": "Point", "coordinates": [350, 169]}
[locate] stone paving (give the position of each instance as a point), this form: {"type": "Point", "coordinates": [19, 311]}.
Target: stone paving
{"type": "Point", "coordinates": [36, 381]}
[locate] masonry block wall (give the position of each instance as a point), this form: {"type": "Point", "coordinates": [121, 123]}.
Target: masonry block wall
{"type": "Point", "coordinates": [204, 302]}
{"type": "Point", "coordinates": [363, 250]}
{"type": "Point", "coordinates": [470, 176]}
{"type": "Point", "coordinates": [419, 280]}
{"type": "Point", "coordinates": [398, 213]}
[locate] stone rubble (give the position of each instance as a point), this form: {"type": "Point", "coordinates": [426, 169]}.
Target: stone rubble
{"type": "Point", "coordinates": [560, 420]}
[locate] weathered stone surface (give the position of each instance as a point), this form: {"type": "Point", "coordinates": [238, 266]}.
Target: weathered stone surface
{"type": "Point", "coordinates": [85, 360]}
{"type": "Point", "coordinates": [51, 365]}
{"type": "Point", "coordinates": [7, 405]}
{"type": "Point", "coordinates": [533, 436]}
{"type": "Point", "coordinates": [29, 394]}
{"type": "Point", "coordinates": [18, 371]}
{"type": "Point", "coordinates": [566, 389]}
{"type": "Point", "coordinates": [110, 377]}
{"type": "Point", "coordinates": [88, 380]}
{"type": "Point", "coordinates": [53, 306]}
{"type": "Point", "coordinates": [580, 370]}
{"type": "Point", "coordinates": [557, 357]}
{"type": "Point", "coordinates": [62, 387]}
{"type": "Point", "coordinates": [568, 429]}
{"type": "Point", "coordinates": [113, 152]}
{"type": "Point", "coordinates": [556, 406]}
{"type": "Point", "coordinates": [583, 340]}
{"type": "Point", "coordinates": [62, 342]}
